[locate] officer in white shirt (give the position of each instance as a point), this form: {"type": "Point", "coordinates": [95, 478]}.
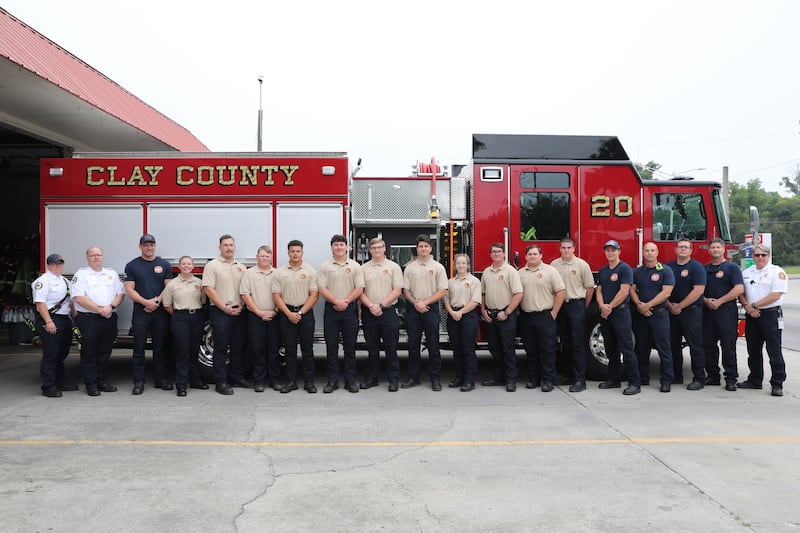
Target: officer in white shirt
{"type": "Point", "coordinates": [51, 294]}
{"type": "Point", "coordinates": [97, 292]}
{"type": "Point", "coordinates": [764, 287]}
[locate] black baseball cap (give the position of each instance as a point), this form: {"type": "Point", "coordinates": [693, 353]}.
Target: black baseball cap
{"type": "Point", "coordinates": [147, 238]}
{"type": "Point", "coordinates": [53, 259]}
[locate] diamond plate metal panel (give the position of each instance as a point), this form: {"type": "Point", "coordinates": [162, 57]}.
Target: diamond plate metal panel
{"type": "Point", "coordinates": [400, 201]}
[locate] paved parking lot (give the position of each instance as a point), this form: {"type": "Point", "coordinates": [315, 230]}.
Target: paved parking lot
{"type": "Point", "coordinates": [414, 460]}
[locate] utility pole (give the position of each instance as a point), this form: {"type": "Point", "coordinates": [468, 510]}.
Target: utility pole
{"type": "Point", "coordinates": [260, 110]}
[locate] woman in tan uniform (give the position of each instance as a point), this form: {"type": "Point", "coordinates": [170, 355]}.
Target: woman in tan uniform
{"type": "Point", "coordinates": [462, 303]}
{"type": "Point", "coordinates": [183, 299]}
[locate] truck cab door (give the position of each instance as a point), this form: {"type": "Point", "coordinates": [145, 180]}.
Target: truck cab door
{"type": "Point", "coordinates": [543, 207]}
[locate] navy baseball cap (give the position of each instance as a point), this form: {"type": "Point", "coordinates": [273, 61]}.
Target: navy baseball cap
{"type": "Point", "coordinates": [147, 238]}
{"type": "Point", "coordinates": [613, 243]}
{"type": "Point", "coordinates": [53, 259]}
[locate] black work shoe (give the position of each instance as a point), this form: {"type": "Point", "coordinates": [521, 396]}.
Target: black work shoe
{"type": "Point", "coordinates": [511, 387]}
{"type": "Point", "coordinates": [224, 389]}
{"type": "Point", "coordinates": [730, 386]}
{"type": "Point", "coordinates": [91, 390]}
{"type": "Point", "coordinates": [455, 383]}
{"type": "Point", "coordinates": [748, 385]}
{"type": "Point", "coordinates": [436, 386]}
{"type": "Point", "coordinates": [777, 390]}
{"type": "Point", "coordinates": [547, 387]}
{"type": "Point", "coordinates": [665, 387]}
{"type": "Point", "coordinates": [531, 384]}
{"type": "Point", "coordinates": [259, 386]}
{"type": "Point", "coordinates": [711, 381]}
{"type": "Point", "coordinates": [368, 385]}
{"type": "Point", "coordinates": [610, 385]}
{"type": "Point", "coordinates": [578, 386]}
{"type": "Point", "coordinates": [695, 385]}
{"type": "Point", "coordinates": [330, 387]}
{"type": "Point", "coordinates": [467, 387]}
{"type": "Point", "coordinates": [410, 384]}
{"type": "Point", "coordinates": [493, 383]}
{"type": "Point", "coordinates": [630, 390]}
{"type": "Point", "coordinates": [310, 388]}
{"type": "Point", "coordinates": [242, 384]}
{"type": "Point", "coordinates": [163, 385]}
{"type": "Point", "coordinates": [351, 387]}
{"type": "Point", "coordinates": [199, 385]}
{"type": "Point", "coordinates": [67, 387]}
{"type": "Point", "coordinates": [138, 388]}
{"type": "Point", "coordinates": [393, 387]}
{"type": "Point", "coordinates": [105, 387]}
{"type": "Point", "coordinates": [51, 392]}
{"type": "Point", "coordinates": [181, 391]}
{"type": "Point", "coordinates": [288, 387]}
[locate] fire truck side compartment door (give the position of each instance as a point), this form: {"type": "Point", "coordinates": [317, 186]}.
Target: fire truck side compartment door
{"type": "Point", "coordinates": [194, 229]}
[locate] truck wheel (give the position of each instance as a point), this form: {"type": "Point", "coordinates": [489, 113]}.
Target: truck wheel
{"type": "Point", "coordinates": [596, 359]}
{"type": "Point", "coordinates": [206, 353]}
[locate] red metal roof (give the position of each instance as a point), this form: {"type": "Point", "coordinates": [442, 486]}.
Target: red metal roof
{"type": "Point", "coordinates": [36, 53]}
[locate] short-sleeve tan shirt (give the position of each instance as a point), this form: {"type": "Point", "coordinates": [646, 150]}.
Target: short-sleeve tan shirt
{"type": "Point", "coordinates": [224, 277]}
{"type": "Point", "coordinates": [381, 278]}
{"type": "Point", "coordinates": [499, 286]}
{"type": "Point", "coordinates": [184, 294]}
{"type": "Point", "coordinates": [462, 290]}
{"type": "Point", "coordinates": [540, 287]}
{"type": "Point", "coordinates": [294, 284]}
{"type": "Point", "coordinates": [424, 279]}
{"type": "Point", "coordinates": [258, 284]}
{"type": "Point", "coordinates": [577, 276]}
{"type": "Point", "coordinates": [340, 278]}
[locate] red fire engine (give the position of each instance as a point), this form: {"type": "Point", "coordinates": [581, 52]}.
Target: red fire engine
{"type": "Point", "coordinates": [519, 189]}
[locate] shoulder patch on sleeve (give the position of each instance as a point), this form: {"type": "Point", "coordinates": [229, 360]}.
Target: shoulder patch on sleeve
{"type": "Point", "coordinates": [781, 275]}
{"type": "Point", "coordinates": [38, 285]}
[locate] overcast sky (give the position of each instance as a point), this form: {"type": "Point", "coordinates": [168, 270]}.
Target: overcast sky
{"type": "Point", "coordinates": [688, 84]}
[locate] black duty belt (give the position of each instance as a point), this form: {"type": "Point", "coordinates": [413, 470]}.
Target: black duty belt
{"type": "Point", "coordinates": [294, 308]}
{"type": "Point", "coordinates": [187, 311]}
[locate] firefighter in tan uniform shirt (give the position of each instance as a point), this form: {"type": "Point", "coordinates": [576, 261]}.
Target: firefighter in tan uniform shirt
{"type": "Point", "coordinates": [221, 279]}
{"type": "Point", "coordinates": [340, 281]}
{"type": "Point", "coordinates": [502, 292]}
{"type": "Point", "coordinates": [295, 292]}
{"type": "Point", "coordinates": [571, 319]}
{"type": "Point", "coordinates": [183, 298]}
{"type": "Point", "coordinates": [543, 296]}
{"type": "Point", "coordinates": [462, 304]}
{"type": "Point", "coordinates": [263, 326]}
{"type": "Point", "coordinates": [424, 283]}
{"type": "Point", "coordinates": [383, 284]}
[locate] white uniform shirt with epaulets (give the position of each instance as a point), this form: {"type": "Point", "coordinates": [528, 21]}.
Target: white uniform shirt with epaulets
{"type": "Point", "coordinates": [759, 283]}
{"type": "Point", "coordinates": [100, 287]}
{"type": "Point", "coordinates": [51, 290]}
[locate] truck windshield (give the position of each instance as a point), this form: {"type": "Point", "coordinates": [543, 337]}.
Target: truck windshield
{"type": "Point", "coordinates": [722, 216]}
{"type": "Point", "coordinates": [679, 215]}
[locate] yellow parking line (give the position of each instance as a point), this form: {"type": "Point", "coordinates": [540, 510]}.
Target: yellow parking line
{"type": "Point", "coordinates": [407, 444]}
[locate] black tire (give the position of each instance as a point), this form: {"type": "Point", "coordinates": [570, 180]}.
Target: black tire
{"type": "Point", "coordinates": [596, 359]}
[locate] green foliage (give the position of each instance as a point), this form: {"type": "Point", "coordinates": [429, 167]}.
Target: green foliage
{"type": "Point", "coordinates": [779, 216]}
{"type": "Point", "coordinates": [646, 171]}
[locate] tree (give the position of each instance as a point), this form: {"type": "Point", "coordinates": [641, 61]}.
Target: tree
{"type": "Point", "coordinates": [646, 171]}
{"type": "Point", "coordinates": [792, 184]}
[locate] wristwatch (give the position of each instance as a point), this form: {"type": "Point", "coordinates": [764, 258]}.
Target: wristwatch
{"type": "Point", "coordinates": [754, 306]}
{"type": "Point", "coordinates": [300, 312]}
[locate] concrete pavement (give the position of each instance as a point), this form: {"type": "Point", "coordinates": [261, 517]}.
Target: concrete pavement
{"type": "Point", "coordinates": [414, 460]}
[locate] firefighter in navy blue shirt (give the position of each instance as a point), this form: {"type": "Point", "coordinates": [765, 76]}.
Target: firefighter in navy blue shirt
{"type": "Point", "coordinates": [764, 287]}
{"type": "Point", "coordinates": [612, 294]}
{"type": "Point", "coordinates": [652, 286]}
{"type": "Point", "coordinates": [720, 317]}
{"type": "Point", "coordinates": [145, 279]}
{"type": "Point", "coordinates": [51, 294]}
{"type": "Point", "coordinates": [685, 306]}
